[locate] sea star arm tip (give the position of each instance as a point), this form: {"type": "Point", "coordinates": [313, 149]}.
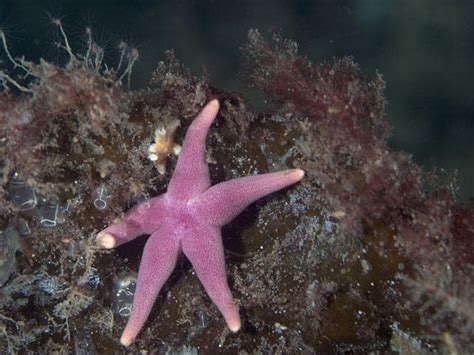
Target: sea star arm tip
{"type": "Point", "coordinates": [214, 104]}
{"type": "Point", "coordinates": [125, 340]}
{"type": "Point", "coordinates": [119, 233]}
{"type": "Point", "coordinates": [297, 174]}
{"type": "Point", "coordinates": [234, 325]}
{"type": "Point", "coordinates": [106, 240]}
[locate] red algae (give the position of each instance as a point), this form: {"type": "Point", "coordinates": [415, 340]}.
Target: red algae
{"type": "Point", "coordinates": [361, 179]}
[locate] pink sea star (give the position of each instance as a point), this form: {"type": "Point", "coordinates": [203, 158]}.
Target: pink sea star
{"type": "Point", "coordinates": [189, 217]}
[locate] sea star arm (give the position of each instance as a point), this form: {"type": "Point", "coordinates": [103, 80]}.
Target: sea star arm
{"type": "Point", "coordinates": [142, 219]}
{"type": "Point", "coordinates": [157, 263]}
{"type": "Point", "coordinates": [203, 247]}
{"type": "Point", "coordinates": [191, 175]}
{"type": "Point", "coordinates": [223, 202]}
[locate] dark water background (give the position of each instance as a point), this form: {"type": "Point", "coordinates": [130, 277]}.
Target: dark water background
{"type": "Point", "coordinates": [424, 49]}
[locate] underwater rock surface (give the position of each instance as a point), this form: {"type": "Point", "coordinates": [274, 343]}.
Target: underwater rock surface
{"type": "Point", "coordinates": [367, 253]}
{"type": "Point", "coordinates": [9, 245]}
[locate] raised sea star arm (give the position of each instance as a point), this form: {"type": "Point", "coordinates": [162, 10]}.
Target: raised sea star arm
{"type": "Point", "coordinates": [203, 247]}
{"type": "Point", "coordinates": [191, 175]}
{"type": "Point", "coordinates": [223, 202]}
{"type": "Point", "coordinates": [157, 263]}
{"type": "Point", "coordinates": [142, 219]}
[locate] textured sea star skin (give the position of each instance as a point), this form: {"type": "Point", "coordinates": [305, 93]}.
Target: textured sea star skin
{"type": "Point", "coordinates": [188, 218]}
